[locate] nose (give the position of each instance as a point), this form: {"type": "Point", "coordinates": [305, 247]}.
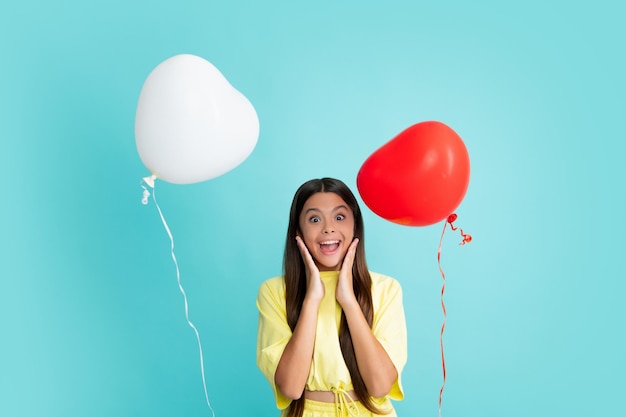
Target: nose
{"type": "Point", "coordinates": [328, 228]}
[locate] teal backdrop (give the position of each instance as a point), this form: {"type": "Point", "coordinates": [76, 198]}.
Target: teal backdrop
{"type": "Point", "coordinates": [92, 319]}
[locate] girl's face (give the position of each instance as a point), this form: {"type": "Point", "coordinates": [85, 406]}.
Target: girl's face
{"type": "Point", "coordinates": [327, 228]}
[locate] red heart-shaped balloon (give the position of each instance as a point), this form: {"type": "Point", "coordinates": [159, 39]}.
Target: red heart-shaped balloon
{"type": "Point", "coordinates": [419, 177]}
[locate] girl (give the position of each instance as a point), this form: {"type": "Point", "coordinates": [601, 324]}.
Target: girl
{"type": "Point", "coordinates": [332, 334]}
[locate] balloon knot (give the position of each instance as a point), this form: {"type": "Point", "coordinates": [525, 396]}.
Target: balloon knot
{"type": "Point", "coordinates": [149, 180]}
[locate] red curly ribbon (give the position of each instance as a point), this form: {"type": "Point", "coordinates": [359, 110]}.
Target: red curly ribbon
{"type": "Point", "coordinates": [466, 239]}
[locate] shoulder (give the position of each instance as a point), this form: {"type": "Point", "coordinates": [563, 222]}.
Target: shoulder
{"type": "Point", "coordinates": [384, 286]}
{"type": "Point", "coordinates": [270, 299]}
{"type": "Point", "coordinates": [275, 285]}
{"type": "Point", "coordinates": [384, 281]}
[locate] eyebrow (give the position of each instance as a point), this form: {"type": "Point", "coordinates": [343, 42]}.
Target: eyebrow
{"type": "Point", "coordinates": [335, 209]}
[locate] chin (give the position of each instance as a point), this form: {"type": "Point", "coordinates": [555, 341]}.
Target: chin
{"type": "Point", "coordinates": [325, 267]}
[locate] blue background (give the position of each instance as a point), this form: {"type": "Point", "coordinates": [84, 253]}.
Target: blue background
{"type": "Point", "coordinates": [92, 321]}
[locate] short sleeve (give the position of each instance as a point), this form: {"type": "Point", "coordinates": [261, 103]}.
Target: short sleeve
{"type": "Point", "coordinates": [389, 326]}
{"type": "Point", "coordinates": [273, 333]}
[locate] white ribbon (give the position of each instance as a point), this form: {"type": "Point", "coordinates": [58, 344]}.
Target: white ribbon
{"type": "Point", "coordinates": [150, 182]}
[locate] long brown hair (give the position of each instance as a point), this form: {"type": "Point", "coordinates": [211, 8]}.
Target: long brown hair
{"type": "Point", "coordinates": [295, 281]}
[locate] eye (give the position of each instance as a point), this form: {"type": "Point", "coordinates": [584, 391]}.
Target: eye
{"type": "Point", "coordinates": [340, 217]}
{"type": "Point", "coordinates": [314, 219]}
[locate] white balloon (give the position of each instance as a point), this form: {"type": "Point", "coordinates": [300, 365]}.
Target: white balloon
{"type": "Point", "coordinates": [191, 125]}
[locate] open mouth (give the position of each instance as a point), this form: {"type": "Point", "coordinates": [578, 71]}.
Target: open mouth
{"type": "Point", "coordinates": [329, 247]}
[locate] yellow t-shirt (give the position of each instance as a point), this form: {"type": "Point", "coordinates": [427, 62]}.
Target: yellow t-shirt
{"type": "Point", "coordinates": [328, 369]}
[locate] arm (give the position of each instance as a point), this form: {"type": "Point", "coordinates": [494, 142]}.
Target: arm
{"type": "Point", "coordinates": [295, 362]}
{"type": "Point", "coordinates": [375, 366]}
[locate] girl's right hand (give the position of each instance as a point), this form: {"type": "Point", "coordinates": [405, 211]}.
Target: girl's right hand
{"type": "Point", "coordinates": [315, 286]}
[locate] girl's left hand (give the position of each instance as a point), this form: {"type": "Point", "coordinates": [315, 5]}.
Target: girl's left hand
{"type": "Point", "coordinates": [345, 291]}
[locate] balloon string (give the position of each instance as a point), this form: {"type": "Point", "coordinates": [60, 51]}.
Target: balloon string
{"type": "Point", "coordinates": [443, 327]}
{"type": "Point", "coordinates": [150, 182]}
{"type": "Point", "coordinates": [466, 239]}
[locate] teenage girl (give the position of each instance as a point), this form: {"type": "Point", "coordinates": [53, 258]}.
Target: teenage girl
{"type": "Point", "coordinates": [332, 334]}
